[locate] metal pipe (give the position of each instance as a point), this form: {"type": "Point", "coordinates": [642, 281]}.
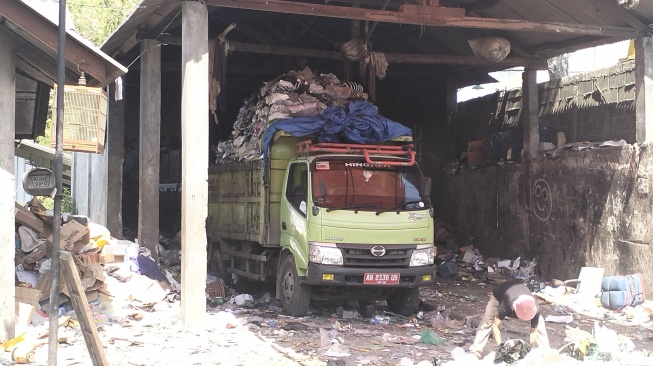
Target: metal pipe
{"type": "Point", "coordinates": [55, 270]}
{"type": "Point", "coordinates": [223, 36]}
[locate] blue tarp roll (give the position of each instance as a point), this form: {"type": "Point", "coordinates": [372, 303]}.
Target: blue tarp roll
{"type": "Point", "coordinates": [362, 124]}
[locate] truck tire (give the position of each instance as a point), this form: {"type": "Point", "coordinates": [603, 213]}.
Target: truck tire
{"type": "Point", "coordinates": [404, 301]}
{"type": "Point", "coordinates": [295, 296]}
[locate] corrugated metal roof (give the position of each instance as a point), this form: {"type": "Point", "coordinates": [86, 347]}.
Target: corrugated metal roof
{"type": "Point", "coordinates": [152, 15]}
{"type": "Point", "coordinates": [536, 29]}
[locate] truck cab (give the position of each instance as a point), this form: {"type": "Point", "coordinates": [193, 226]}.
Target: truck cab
{"type": "Point", "coordinates": [356, 222]}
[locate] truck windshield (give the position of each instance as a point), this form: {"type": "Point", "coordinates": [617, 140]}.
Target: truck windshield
{"type": "Point", "coordinates": [340, 184]}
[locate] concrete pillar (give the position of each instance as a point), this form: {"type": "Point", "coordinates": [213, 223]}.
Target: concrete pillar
{"type": "Point", "coordinates": [194, 160]}
{"type": "Point", "coordinates": [643, 89]}
{"type": "Point", "coordinates": [115, 151]}
{"type": "Point", "coordinates": [7, 187]}
{"type": "Point", "coordinates": [530, 114]}
{"type": "Point", "coordinates": [150, 145]}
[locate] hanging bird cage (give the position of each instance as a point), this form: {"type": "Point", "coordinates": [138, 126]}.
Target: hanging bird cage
{"type": "Point", "coordinates": [85, 119]}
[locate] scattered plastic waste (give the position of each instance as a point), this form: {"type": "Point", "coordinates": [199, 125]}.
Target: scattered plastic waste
{"type": "Point", "coordinates": [380, 320]}
{"type": "Point", "coordinates": [430, 337]}
{"type": "Point", "coordinates": [512, 351]}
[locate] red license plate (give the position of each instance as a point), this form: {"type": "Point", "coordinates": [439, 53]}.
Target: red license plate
{"type": "Point", "coordinates": [381, 278]}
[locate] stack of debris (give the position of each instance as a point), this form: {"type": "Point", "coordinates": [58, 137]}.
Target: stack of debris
{"type": "Point", "coordinates": [458, 256]}
{"type": "Point", "coordinates": [295, 94]}
{"type": "Point", "coordinates": [99, 259]}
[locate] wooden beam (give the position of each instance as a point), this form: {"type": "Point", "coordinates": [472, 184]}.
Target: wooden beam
{"type": "Point", "coordinates": [36, 63]}
{"type": "Point", "coordinates": [343, 12]}
{"type": "Point", "coordinates": [253, 33]}
{"type": "Point", "coordinates": [162, 19]}
{"type": "Point", "coordinates": [529, 114]}
{"type": "Point", "coordinates": [307, 28]}
{"type": "Point", "coordinates": [194, 160]}
{"type": "Point", "coordinates": [390, 57]}
{"type": "Point", "coordinates": [149, 145]}
{"type": "Point", "coordinates": [115, 150]}
{"type": "Point", "coordinates": [30, 25]}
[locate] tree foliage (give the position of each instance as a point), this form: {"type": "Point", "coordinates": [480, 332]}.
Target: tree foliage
{"type": "Point", "coordinates": [96, 20]}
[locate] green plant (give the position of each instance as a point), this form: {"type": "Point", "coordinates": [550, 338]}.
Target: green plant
{"type": "Point", "coordinates": [67, 202]}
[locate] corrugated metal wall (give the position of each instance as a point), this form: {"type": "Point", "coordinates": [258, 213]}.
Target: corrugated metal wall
{"type": "Point", "coordinates": [20, 167]}
{"type": "Point", "coordinates": [89, 186]}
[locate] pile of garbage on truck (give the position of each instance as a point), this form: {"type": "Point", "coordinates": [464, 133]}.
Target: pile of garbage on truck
{"type": "Point", "coordinates": [304, 103]}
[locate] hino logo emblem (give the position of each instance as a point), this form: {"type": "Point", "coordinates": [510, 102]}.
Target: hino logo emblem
{"type": "Point", "coordinates": [378, 251]}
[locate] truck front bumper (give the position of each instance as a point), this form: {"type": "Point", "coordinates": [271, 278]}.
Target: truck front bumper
{"type": "Point", "coordinates": [352, 276]}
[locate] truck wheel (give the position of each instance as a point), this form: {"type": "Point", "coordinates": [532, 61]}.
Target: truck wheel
{"type": "Point", "coordinates": [404, 301]}
{"type": "Point", "coordinates": [295, 296]}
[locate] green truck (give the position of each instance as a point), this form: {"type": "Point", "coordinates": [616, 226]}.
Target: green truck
{"type": "Point", "coordinates": [326, 221]}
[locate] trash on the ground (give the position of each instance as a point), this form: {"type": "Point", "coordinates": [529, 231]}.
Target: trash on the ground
{"type": "Point", "coordinates": [447, 269]}
{"type": "Point", "coordinates": [566, 319]}
{"type": "Point", "coordinates": [511, 351]}
{"type": "Point", "coordinates": [242, 299]}
{"type": "Point", "coordinates": [378, 319]}
{"type": "Point", "coordinates": [430, 337]}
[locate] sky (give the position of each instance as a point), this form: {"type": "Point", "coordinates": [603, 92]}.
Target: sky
{"type": "Point", "coordinates": [581, 61]}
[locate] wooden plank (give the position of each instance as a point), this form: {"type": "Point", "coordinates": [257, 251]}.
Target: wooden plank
{"type": "Point", "coordinates": [194, 161]}
{"type": "Point", "coordinates": [343, 12]}
{"type": "Point", "coordinates": [80, 303]}
{"type": "Point", "coordinates": [33, 25]}
{"type": "Point", "coordinates": [529, 114]}
{"type": "Point", "coordinates": [150, 141]}
{"type": "Point", "coordinates": [116, 155]}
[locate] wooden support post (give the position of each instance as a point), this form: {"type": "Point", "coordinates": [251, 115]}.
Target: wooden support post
{"type": "Point", "coordinates": [150, 142]}
{"type": "Point", "coordinates": [643, 89]}
{"type": "Point", "coordinates": [116, 155]}
{"type": "Point", "coordinates": [194, 161]}
{"type": "Point", "coordinates": [7, 187]}
{"type": "Point", "coordinates": [530, 114]}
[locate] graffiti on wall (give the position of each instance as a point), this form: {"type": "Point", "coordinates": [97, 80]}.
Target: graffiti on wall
{"type": "Point", "coordinates": [541, 199]}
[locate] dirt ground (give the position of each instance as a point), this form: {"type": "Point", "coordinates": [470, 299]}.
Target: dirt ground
{"type": "Point", "coordinates": [257, 332]}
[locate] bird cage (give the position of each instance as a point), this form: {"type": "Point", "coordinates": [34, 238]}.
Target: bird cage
{"type": "Point", "coordinates": [85, 119]}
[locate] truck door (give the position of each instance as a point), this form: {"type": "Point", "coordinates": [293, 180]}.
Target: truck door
{"type": "Point", "coordinates": [293, 213]}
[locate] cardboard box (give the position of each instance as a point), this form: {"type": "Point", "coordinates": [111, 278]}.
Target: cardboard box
{"type": "Point", "coordinates": [107, 258]}
{"type": "Point", "coordinates": [28, 295]}
{"type": "Point", "coordinates": [71, 232]}
{"type": "Point", "coordinates": [43, 285]}
{"type": "Point", "coordinates": [27, 218]}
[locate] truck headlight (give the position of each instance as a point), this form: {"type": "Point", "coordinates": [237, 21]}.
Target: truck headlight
{"type": "Point", "coordinates": [422, 257]}
{"type": "Point", "coordinates": [325, 255]}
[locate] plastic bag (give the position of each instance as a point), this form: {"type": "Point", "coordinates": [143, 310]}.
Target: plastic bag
{"type": "Point", "coordinates": [430, 337]}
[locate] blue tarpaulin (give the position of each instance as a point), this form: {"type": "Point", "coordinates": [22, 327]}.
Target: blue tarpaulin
{"type": "Point", "coordinates": [361, 124]}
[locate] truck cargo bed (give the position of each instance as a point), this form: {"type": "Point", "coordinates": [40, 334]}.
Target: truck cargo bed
{"type": "Point", "coordinates": [237, 202]}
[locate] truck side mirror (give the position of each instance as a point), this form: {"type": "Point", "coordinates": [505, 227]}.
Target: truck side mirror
{"type": "Point", "coordinates": [425, 187]}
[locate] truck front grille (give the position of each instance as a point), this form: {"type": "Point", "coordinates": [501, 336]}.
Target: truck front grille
{"type": "Point", "coordinates": [360, 255]}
